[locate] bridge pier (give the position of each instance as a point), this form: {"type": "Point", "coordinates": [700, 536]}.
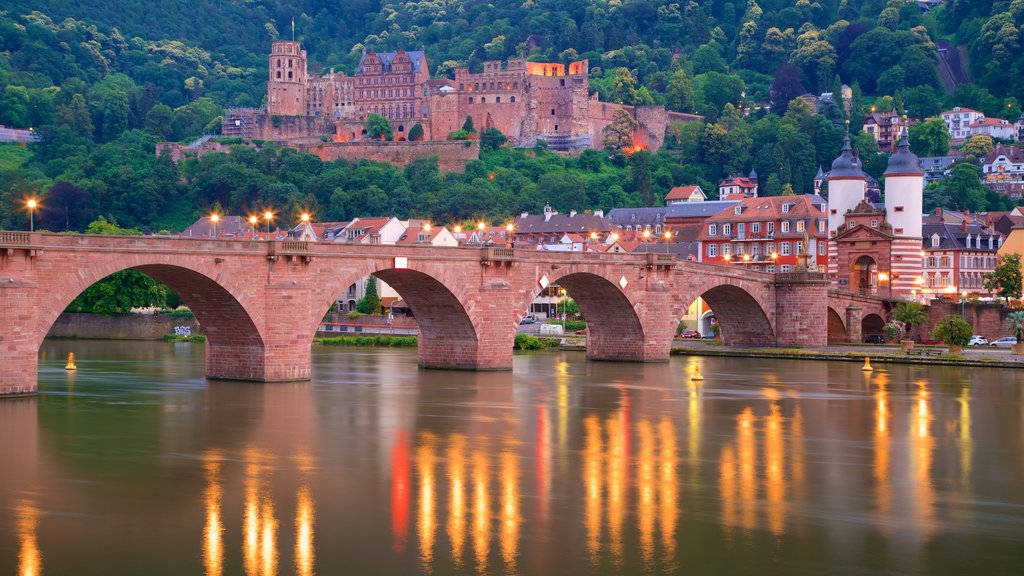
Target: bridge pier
{"type": "Point", "coordinates": [801, 315]}
{"type": "Point", "coordinates": [19, 342]}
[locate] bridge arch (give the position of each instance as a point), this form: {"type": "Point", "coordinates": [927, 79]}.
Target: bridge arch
{"type": "Point", "coordinates": [614, 329]}
{"type": "Point", "coordinates": [837, 333]}
{"type": "Point", "coordinates": [872, 324]}
{"type": "Point", "coordinates": [235, 347]}
{"type": "Point", "coordinates": [448, 334]}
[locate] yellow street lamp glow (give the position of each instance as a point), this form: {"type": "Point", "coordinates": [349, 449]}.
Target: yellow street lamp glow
{"type": "Point", "coordinates": [668, 235]}
{"type": "Point", "coordinates": [304, 217]}
{"type": "Point", "coordinates": [775, 255]}
{"type": "Point", "coordinates": [480, 225]}
{"type": "Point", "coordinates": [268, 215]}
{"type": "Point", "coordinates": [615, 236]}
{"type": "Point", "coordinates": [31, 204]}
{"type": "Point", "coordinates": [593, 235]}
{"type": "Point", "coordinates": [883, 276]}
{"type": "Point", "coordinates": [727, 257]}
{"type": "Point", "coordinates": [426, 226]}
{"type": "Point", "coordinates": [647, 234]}
{"type": "Point", "coordinates": [253, 220]}
{"type": "Point", "coordinates": [458, 228]}
{"type": "Point", "coordinates": [214, 218]}
{"type": "Point", "coordinates": [746, 257]}
{"type": "Point", "coordinates": [509, 227]}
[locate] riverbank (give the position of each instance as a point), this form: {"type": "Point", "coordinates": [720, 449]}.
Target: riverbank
{"type": "Point", "coordinates": [984, 357]}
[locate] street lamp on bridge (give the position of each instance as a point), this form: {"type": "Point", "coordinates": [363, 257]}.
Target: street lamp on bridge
{"type": "Point", "coordinates": [252, 222]}
{"type": "Point", "coordinates": [32, 204]}
{"type": "Point", "coordinates": [214, 218]}
{"type": "Point", "coordinates": [268, 216]}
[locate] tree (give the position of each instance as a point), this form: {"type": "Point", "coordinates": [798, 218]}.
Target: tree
{"type": "Point", "coordinates": [930, 138]}
{"type": "Point", "coordinates": [378, 127]}
{"type": "Point", "coordinates": [953, 330]}
{"type": "Point", "coordinates": [492, 139]}
{"type": "Point", "coordinates": [467, 126]}
{"type": "Point", "coordinates": [910, 314]}
{"type": "Point", "coordinates": [370, 302]}
{"type": "Point", "coordinates": [618, 134]}
{"type": "Point", "coordinates": [65, 208]}
{"type": "Point", "coordinates": [679, 92]}
{"type": "Point", "coordinates": [641, 175]}
{"type": "Point", "coordinates": [786, 86]}
{"type": "Point", "coordinates": [1017, 325]}
{"type": "Point", "coordinates": [416, 133]}
{"type": "Point", "coordinates": [158, 120]}
{"type": "Point", "coordinates": [978, 146]}
{"type": "Point", "coordinates": [1005, 280]}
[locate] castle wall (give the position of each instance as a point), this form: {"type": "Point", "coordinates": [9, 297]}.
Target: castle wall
{"type": "Point", "coordinates": [451, 155]}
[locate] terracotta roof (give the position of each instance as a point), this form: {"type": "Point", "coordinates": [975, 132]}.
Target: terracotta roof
{"type": "Point", "coordinates": [681, 192]}
{"type": "Point", "coordinates": [742, 182]}
{"type": "Point", "coordinates": [766, 209]}
{"type": "Point", "coordinates": [961, 110]}
{"type": "Point", "coordinates": [991, 122]}
{"type": "Point", "coordinates": [412, 235]}
{"type": "Point", "coordinates": [1012, 153]}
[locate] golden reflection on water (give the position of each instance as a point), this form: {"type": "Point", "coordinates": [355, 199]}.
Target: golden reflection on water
{"type": "Point", "coordinates": [456, 525]}
{"type": "Point", "coordinates": [30, 561]}
{"type": "Point", "coordinates": [645, 487]}
{"type": "Point", "coordinates": [883, 447]}
{"type": "Point", "coordinates": [481, 510]}
{"type": "Point", "coordinates": [259, 522]}
{"type": "Point", "coordinates": [213, 532]}
{"type": "Point", "coordinates": [668, 490]}
{"type": "Point", "coordinates": [747, 452]}
{"type": "Point", "coordinates": [510, 513]}
{"type": "Point", "coordinates": [966, 443]}
{"type": "Point", "coordinates": [304, 518]}
{"type": "Point", "coordinates": [592, 484]}
{"type": "Point", "coordinates": [426, 523]}
{"type": "Point", "coordinates": [775, 479]}
{"type": "Point", "coordinates": [922, 444]}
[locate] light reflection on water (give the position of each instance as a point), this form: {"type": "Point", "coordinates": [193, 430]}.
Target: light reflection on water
{"type": "Point", "coordinates": [561, 467]}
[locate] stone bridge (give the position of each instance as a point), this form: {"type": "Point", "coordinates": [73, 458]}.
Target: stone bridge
{"type": "Point", "coordinates": [260, 302]}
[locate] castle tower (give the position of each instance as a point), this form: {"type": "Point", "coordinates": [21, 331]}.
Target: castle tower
{"type": "Point", "coordinates": [904, 199]}
{"type": "Point", "coordinates": [286, 86]}
{"type": "Point", "coordinates": [846, 187]}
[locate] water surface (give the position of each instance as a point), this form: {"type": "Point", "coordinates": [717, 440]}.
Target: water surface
{"type": "Point", "coordinates": [136, 464]}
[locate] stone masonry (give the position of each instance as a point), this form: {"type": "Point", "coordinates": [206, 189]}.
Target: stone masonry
{"type": "Point", "coordinates": [260, 303]}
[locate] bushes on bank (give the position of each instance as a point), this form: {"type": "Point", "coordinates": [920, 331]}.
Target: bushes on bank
{"type": "Point", "coordinates": [375, 340]}
{"type": "Point", "coordinates": [527, 342]}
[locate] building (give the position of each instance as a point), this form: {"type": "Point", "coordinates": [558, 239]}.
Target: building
{"type": "Point", "coordinates": [958, 122]}
{"type": "Point", "coordinates": [685, 194]}
{"type": "Point", "coordinates": [550, 228]}
{"type": "Point", "coordinates": [995, 128]}
{"type": "Point", "coordinates": [956, 258]}
{"type": "Point", "coordinates": [734, 185]}
{"type": "Point", "coordinates": [885, 128]}
{"type": "Point", "coordinates": [938, 167]}
{"type": "Point", "coordinates": [767, 233]}
{"type": "Point", "coordinates": [875, 247]}
{"type": "Point", "coordinates": [1003, 171]}
{"type": "Point", "coordinates": [529, 102]}
{"type": "Point", "coordinates": [18, 135]}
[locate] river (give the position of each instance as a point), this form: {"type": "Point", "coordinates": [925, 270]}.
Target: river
{"type": "Point", "coordinates": [136, 464]}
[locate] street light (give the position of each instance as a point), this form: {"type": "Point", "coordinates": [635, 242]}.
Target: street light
{"type": "Point", "coordinates": [668, 237]}
{"type": "Point", "coordinates": [252, 222]}
{"type": "Point", "coordinates": [214, 218]}
{"type": "Point", "coordinates": [727, 258]}
{"type": "Point", "coordinates": [563, 310]}
{"type": "Point", "coordinates": [647, 237]}
{"type": "Point", "coordinates": [31, 205]}
{"type": "Point", "coordinates": [458, 229]}
{"type": "Point", "coordinates": [304, 217]}
{"type": "Point", "coordinates": [746, 260]}
{"type": "Point", "coordinates": [480, 225]}
{"type": "Point", "coordinates": [963, 304]}
{"type": "Point", "coordinates": [426, 227]}
{"type": "Point", "coordinates": [268, 216]}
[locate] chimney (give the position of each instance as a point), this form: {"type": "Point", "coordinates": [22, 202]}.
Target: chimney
{"type": "Point", "coordinates": [938, 211]}
{"type": "Point", "coordinates": [599, 213]}
{"type": "Point", "coordinates": [963, 226]}
{"type": "Point", "coordinates": [524, 214]}
{"type": "Point", "coordinates": [572, 213]}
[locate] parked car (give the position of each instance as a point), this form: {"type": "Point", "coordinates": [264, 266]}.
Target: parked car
{"type": "Point", "coordinates": [875, 339]}
{"type": "Point", "coordinates": [690, 334]}
{"type": "Point", "coordinates": [978, 341]}
{"type": "Point", "coordinates": [1004, 342]}
{"type": "Point", "coordinates": [528, 319]}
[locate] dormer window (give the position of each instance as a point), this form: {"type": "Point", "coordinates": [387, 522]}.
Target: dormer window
{"type": "Point", "coordinates": [874, 223]}
{"type": "Point", "coordinates": [785, 208]}
{"type": "Point", "coordinates": [935, 240]}
{"type": "Point", "coordinates": [737, 210]}
{"type": "Point", "coordinates": [713, 230]}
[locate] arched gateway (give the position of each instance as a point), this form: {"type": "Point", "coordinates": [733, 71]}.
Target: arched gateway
{"type": "Point", "coordinates": [261, 302]}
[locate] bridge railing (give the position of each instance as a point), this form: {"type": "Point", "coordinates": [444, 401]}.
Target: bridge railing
{"type": "Point", "coordinates": [656, 259]}
{"type": "Point", "coordinates": [492, 254]}
{"type": "Point", "coordinates": [8, 239]}
{"type": "Point", "coordinates": [294, 247]}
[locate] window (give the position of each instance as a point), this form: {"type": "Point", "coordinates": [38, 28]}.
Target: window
{"type": "Point", "coordinates": [726, 249]}
{"type": "Point", "coordinates": [935, 241]}
{"type": "Point", "coordinates": [755, 249]}
{"type": "Point", "coordinates": [739, 250]}
{"type": "Point", "coordinates": [737, 210]}
{"type": "Point", "coordinates": [945, 261]}
{"type": "Point", "coordinates": [755, 227]}
{"type": "Point", "coordinates": [552, 111]}
{"type": "Point", "coordinates": [798, 247]}
{"type": "Point", "coordinates": [784, 248]}
{"type": "Point", "coordinates": [874, 222]}
{"type": "Point", "coordinates": [821, 248]}
{"type": "Point", "coordinates": [785, 227]}
{"type": "Point", "coordinates": [713, 230]}
{"type": "Point", "coordinates": [770, 227]}
{"type": "Point", "coordinates": [800, 225]}
{"type": "Point", "coordinates": [712, 250]}
{"type": "Point", "coordinates": [821, 226]}
{"type": "Point", "coordinates": [785, 268]}
{"type": "Point", "coordinates": [769, 247]}
{"type": "Point", "coordinates": [770, 269]}
{"type": "Point", "coordinates": [899, 208]}
{"type": "Point", "coordinates": [726, 229]}
{"type": "Point", "coordinates": [785, 208]}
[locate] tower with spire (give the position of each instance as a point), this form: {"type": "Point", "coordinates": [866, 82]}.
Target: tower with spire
{"type": "Point", "coordinates": [904, 209]}
{"type": "Point", "coordinates": [847, 184]}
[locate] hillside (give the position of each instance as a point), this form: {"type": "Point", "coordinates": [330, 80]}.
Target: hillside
{"type": "Point", "coordinates": [102, 80]}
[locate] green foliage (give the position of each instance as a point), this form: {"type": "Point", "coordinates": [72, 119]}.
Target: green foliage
{"type": "Point", "coordinates": [492, 139]}
{"type": "Point", "coordinates": [182, 338]}
{"type": "Point", "coordinates": [467, 126]}
{"type": "Point", "coordinates": [378, 127]}
{"type": "Point", "coordinates": [460, 135]}
{"type": "Point", "coordinates": [910, 314]}
{"type": "Point", "coordinates": [375, 340]}
{"type": "Point", "coordinates": [527, 342]}
{"type": "Point", "coordinates": [1017, 324]}
{"type": "Point", "coordinates": [892, 330]}
{"type": "Point", "coordinates": [416, 133]}
{"type": "Point", "coordinates": [370, 302]}
{"type": "Point", "coordinates": [184, 313]}
{"type": "Point", "coordinates": [1006, 279]}
{"type": "Point", "coordinates": [953, 330]}
{"type": "Point", "coordinates": [930, 138]}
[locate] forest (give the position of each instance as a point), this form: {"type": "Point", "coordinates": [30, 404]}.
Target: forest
{"type": "Point", "coordinates": [102, 82]}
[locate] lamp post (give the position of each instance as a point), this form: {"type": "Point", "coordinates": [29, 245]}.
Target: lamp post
{"type": "Point", "coordinates": [252, 222]}
{"type": "Point", "coordinates": [647, 237]}
{"type": "Point", "coordinates": [963, 304]}
{"type": "Point", "coordinates": [775, 257]}
{"type": "Point", "coordinates": [746, 260]}
{"type": "Point", "coordinates": [668, 237]}
{"type": "Point", "coordinates": [214, 218]}
{"type": "Point", "coordinates": [563, 310]}
{"type": "Point", "coordinates": [727, 258]}
{"type": "Point", "coordinates": [268, 216]}
{"type": "Point", "coordinates": [32, 204]}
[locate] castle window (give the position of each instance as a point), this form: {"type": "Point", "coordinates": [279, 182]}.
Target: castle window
{"type": "Point", "coordinates": [289, 74]}
{"type": "Point", "coordinates": [498, 99]}
{"type": "Point", "coordinates": [492, 85]}
{"type": "Point", "coordinates": [289, 62]}
{"type": "Point", "coordinates": [556, 127]}
{"type": "Point", "coordinates": [515, 85]}
{"type": "Point", "coordinates": [278, 74]}
{"type": "Point", "coordinates": [476, 86]}
{"type": "Point", "coordinates": [552, 111]}
{"type": "Point", "coordinates": [483, 99]}
{"type": "Point", "coordinates": [513, 98]}
{"type": "Point", "coordinates": [278, 63]}
{"type": "Point", "coordinates": [462, 87]}
{"type": "Point", "coordinates": [470, 99]}
{"type": "Point", "coordinates": [561, 81]}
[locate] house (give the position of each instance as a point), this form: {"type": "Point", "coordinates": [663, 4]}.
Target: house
{"type": "Point", "coordinates": [226, 228]}
{"type": "Point", "coordinates": [425, 234]}
{"type": "Point", "coordinates": [938, 167]}
{"type": "Point", "coordinates": [1003, 171]}
{"type": "Point", "coordinates": [549, 228]}
{"type": "Point", "coordinates": [685, 194]}
{"type": "Point", "coordinates": [958, 122]}
{"type": "Point", "coordinates": [371, 231]}
{"type": "Point", "coordinates": [736, 184]}
{"type": "Point", "coordinates": [766, 233]}
{"type": "Point", "coordinates": [956, 258]}
{"type": "Point", "coordinates": [994, 127]}
{"type": "Point", "coordinates": [885, 128]}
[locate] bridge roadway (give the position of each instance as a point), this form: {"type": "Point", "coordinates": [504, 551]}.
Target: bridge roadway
{"type": "Point", "coordinates": [260, 302]}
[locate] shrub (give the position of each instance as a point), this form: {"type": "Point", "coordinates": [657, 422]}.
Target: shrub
{"type": "Point", "coordinates": [416, 133]}
{"type": "Point", "coordinates": [892, 330]}
{"type": "Point", "coordinates": [953, 330]}
{"type": "Point", "coordinates": [1017, 324]}
{"type": "Point", "coordinates": [181, 313]}
{"type": "Point", "coordinates": [177, 338]}
{"type": "Point", "coordinates": [460, 135]}
{"type": "Point", "coordinates": [370, 340]}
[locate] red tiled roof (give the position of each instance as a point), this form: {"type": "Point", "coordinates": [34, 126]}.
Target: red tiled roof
{"type": "Point", "coordinates": [680, 192]}
{"type": "Point", "coordinates": [742, 182]}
